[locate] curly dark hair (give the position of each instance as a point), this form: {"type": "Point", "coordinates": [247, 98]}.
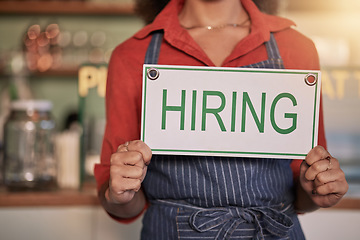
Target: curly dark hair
{"type": "Point", "coordinates": [148, 9]}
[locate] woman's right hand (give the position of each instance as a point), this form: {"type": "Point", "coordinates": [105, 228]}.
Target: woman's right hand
{"type": "Point", "coordinates": [128, 168]}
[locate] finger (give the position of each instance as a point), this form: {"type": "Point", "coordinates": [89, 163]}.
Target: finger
{"type": "Point", "coordinates": [307, 185]}
{"type": "Point", "coordinates": [316, 168]}
{"type": "Point", "coordinates": [144, 174]}
{"type": "Point", "coordinates": [333, 163]}
{"type": "Point", "coordinates": [329, 176]}
{"type": "Point", "coordinates": [122, 185]}
{"type": "Point", "coordinates": [335, 187]}
{"type": "Point", "coordinates": [141, 147]}
{"type": "Point", "coordinates": [303, 168]}
{"type": "Point", "coordinates": [127, 171]}
{"type": "Point", "coordinates": [316, 154]}
{"type": "Point", "coordinates": [131, 158]}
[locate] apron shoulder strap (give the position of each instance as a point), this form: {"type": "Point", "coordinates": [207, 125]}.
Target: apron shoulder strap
{"type": "Point", "coordinates": [153, 50]}
{"type": "Point", "coordinates": [272, 48]}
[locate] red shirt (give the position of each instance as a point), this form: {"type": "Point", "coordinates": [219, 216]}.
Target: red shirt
{"type": "Point", "coordinates": [124, 83]}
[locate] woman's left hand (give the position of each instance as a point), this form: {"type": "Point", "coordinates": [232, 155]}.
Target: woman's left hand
{"type": "Point", "coordinates": [322, 178]}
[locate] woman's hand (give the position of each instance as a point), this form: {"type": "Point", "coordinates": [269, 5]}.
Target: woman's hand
{"type": "Point", "coordinates": [127, 171]}
{"type": "Point", "coordinates": [322, 179]}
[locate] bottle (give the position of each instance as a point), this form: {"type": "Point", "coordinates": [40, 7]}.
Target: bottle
{"type": "Point", "coordinates": [29, 162]}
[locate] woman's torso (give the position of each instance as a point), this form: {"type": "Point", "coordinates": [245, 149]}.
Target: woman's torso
{"type": "Point", "coordinates": [188, 194]}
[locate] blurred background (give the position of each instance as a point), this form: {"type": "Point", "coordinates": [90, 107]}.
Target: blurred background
{"type": "Point", "coordinates": [57, 51]}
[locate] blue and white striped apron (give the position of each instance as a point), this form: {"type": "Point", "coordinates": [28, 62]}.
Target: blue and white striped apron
{"type": "Point", "coordinates": [202, 197]}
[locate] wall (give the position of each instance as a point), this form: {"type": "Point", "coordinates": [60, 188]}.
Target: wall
{"type": "Point", "coordinates": [80, 223]}
{"type": "Point", "coordinates": [92, 223]}
{"type": "Point", "coordinates": [331, 224]}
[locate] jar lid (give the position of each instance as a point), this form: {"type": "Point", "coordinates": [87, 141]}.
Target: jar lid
{"type": "Point", "coordinates": [40, 105]}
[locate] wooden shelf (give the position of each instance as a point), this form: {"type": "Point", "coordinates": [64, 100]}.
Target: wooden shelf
{"type": "Point", "coordinates": [66, 72]}
{"type": "Point", "coordinates": [44, 199]}
{"type": "Point", "coordinates": [73, 73]}
{"type": "Point", "coordinates": [348, 203]}
{"type": "Point", "coordinates": [86, 197]}
{"type": "Point", "coordinates": [64, 8]}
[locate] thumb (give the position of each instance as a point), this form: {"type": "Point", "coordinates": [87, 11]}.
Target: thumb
{"type": "Point", "coordinates": [307, 185]}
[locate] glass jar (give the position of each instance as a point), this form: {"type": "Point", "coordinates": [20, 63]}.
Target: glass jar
{"type": "Point", "coordinates": [29, 132]}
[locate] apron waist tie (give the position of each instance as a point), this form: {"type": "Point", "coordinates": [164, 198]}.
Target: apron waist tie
{"type": "Point", "coordinates": [275, 222]}
{"type": "Point", "coordinates": [229, 218]}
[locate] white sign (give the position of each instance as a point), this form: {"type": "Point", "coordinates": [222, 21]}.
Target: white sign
{"type": "Point", "coordinates": [230, 111]}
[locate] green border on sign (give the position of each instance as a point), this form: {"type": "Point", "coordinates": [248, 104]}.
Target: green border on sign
{"type": "Point", "coordinates": [227, 70]}
{"type": "Point", "coordinates": [230, 152]}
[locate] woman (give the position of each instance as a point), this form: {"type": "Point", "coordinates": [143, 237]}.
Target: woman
{"type": "Point", "coordinates": [209, 197]}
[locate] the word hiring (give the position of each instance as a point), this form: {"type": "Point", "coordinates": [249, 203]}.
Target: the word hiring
{"type": "Point", "coordinates": [246, 103]}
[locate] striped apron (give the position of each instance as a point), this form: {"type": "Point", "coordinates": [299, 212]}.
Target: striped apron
{"type": "Point", "coordinates": [206, 197]}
